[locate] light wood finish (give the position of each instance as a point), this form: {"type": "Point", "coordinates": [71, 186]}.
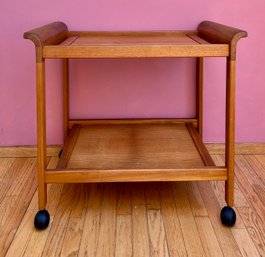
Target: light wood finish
{"type": "Point", "coordinates": [41, 132]}
{"type": "Point", "coordinates": [16, 192]}
{"type": "Point", "coordinates": [134, 146]}
{"type": "Point", "coordinates": [132, 38]}
{"type": "Point", "coordinates": [132, 121]}
{"type": "Point", "coordinates": [52, 33]}
{"type": "Point", "coordinates": [189, 229]}
{"type": "Point", "coordinates": [240, 148]}
{"type": "Point", "coordinates": [123, 247]}
{"type": "Point", "coordinates": [134, 175]}
{"type": "Point", "coordinates": [134, 44]}
{"type": "Point", "coordinates": [26, 151]}
{"type": "Point", "coordinates": [140, 224]}
{"type": "Point", "coordinates": [53, 151]}
{"type": "Point", "coordinates": [142, 51]}
{"type": "Point", "coordinates": [230, 130]}
{"type": "Point", "coordinates": [65, 97]}
{"type": "Point", "coordinates": [199, 95]}
{"type": "Point", "coordinates": [174, 233]}
{"type": "Point", "coordinates": [225, 237]}
{"type": "Point", "coordinates": [124, 199]}
{"type": "Point", "coordinates": [207, 159]}
{"type": "Point", "coordinates": [156, 228]}
{"type": "Point", "coordinates": [208, 238]}
{"type": "Point", "coordinates": [107, 228]}
{"type": "Point", "coordinates": [197, 39]}
{"type": "Point", "coordinates": [89, 241]}
{"type": "Point", "coordinates": [69, 147]}
{"type": "Point", "coordinates": [196, 202]}
{"type": "Point", "coordinates": [75, 228]}
{"type": "Point", "coordinates": [24, 233]}
{"type": "Point", "coordinates": [219, 33]}
{"type": "Point", "coordinates": [124, 154]}
{"type": "Point", "coordinates": [134, 152]}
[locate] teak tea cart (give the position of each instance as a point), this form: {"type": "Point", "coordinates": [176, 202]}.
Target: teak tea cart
{"type": "Point", "coordinates": [135, 149]}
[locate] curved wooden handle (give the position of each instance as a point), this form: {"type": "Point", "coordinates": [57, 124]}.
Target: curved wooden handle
{"type": "Point", "coordinates": [53, 33]}
{"type": "Point", "coordinates": [218, 33]}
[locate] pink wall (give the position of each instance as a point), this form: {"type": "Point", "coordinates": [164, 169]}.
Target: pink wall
{"type": "Point", "coordinates": [129, 88]}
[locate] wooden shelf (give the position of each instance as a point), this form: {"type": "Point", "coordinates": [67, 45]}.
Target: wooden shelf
{"type": "Point", "coordinates": [134, 44]}
{"type": "Point", "coordinates": [134, 152]}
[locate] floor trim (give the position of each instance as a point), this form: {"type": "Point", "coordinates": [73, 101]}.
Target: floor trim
{"type": "Point", "coordinates": [240, 148]}
{"type": "Point", "coordinates": [26, 151]}
{"type": "Point", "coordinates": [31, 151]}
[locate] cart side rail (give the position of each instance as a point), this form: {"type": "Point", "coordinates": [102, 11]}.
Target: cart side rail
{"type": "Point", "coordinates": [221, 34]}
{"type": "Point", "coordinates": [53, 33]}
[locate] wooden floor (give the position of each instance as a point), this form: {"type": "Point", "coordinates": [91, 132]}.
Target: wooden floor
{"type": "Point", "coordinates": [132, 219]}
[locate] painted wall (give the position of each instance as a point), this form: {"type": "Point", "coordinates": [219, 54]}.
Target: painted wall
{"type": "Point", "coordinates": [129, 88]}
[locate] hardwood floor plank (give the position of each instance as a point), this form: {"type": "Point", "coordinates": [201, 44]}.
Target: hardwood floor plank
{"type": "Point", "coordinates": [38, 239]}
{"type": "Point", "coordinates": [124, 236]}
{"type": "Point", "coordinates": [19, 192]}
{"type": "Point", "coordinates": [132, 219]}
{"type": "Point", "coordinates": [11, 175]}
{"type": "Point", "coordinates": [124, 198]}
{"type": "Point", "coordinates": [245, 243]}
{"type": "Point", "coordinates": [24, 243]}
{"type": "Point", "coordinates": [5, 165]}
{"type": "Point", "coordinates": [208, 238]}
{"type": "Point", "coordinates": [90, 237]}
{"type": "Point", "coordinates": [249, 166]}
{"type": "Point", "coordinates": [75, 227]}
{"type": "Point", "coordinates": [195, 200]}
{"type": "Point", "coordinates": [139, 217]}
{"type": "Point", "coordinates": [189, 229]}
{"type": "Point", "coordinates": [173, 230]}
{"type": "Point", "coordinates": [255, 227]}
{"type": "Point", "coordinates": [157, 236]}
{"type": "Point", "coordinates": [55, 240]}
{"type": "Point", "coordinates": [224, 235]}
{"type": "Point", "coordinates": [219, 190]}
{"type": "Point", "coordinates": [260, 166]}
{"type": "Point", "coordinates": [249, 192]}
{"type": "Point", "coordinates": [107, 229]}
{"type": "Point", "coordinates": [152, 196]}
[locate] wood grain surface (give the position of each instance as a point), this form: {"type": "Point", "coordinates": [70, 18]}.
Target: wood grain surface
{"type": "Point", "coordinates": [131, 219]}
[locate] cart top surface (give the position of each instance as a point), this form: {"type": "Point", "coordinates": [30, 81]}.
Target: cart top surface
{"type": "Point", "coordinates": [133, 38]}
{"type": "Point", "coordinates": [134, 44]}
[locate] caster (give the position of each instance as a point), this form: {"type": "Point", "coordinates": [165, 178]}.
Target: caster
{"type": "Point", "coordinates": [228, 216]}
{"type": "Point", "coordinates": [42, 219]}
{"type": "Point", "coordinates": [60, 153]}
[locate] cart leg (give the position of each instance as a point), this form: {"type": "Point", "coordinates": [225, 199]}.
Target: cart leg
{"type": "Point", "coordinates": [65, 101]}
{"type": "Point", "coordinates": [42, 217]}
{"type": "Point", "coordinates": [230, 132]}
{"type": "Point", "coordinates": [228, 215]}
{"type": "Point", "coordinates": [65, 97]}
{"type": "Point", "coordinates": [199, 95]}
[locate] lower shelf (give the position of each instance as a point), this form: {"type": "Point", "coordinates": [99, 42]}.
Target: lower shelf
{"type": "Point", "coordinates": [134, 152]}
{"type": "Point", "coordinates": [134, 147]}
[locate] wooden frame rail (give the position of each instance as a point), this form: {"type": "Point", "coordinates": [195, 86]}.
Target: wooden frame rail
{"type": "Point", "coordinates": [134, 175]}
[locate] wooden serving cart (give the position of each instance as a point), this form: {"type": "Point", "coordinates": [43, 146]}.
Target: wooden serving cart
{"type": "Point", "coordinates": [135, 149]}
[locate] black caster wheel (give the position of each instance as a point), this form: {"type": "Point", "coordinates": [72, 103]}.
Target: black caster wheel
{"type": "Point", "coordinates": [228, 216]}
{"type": "Point", "coordinates": [42, 219]}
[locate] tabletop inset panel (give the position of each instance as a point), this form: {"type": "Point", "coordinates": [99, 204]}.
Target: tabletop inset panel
{"type": "Point", "coordinates": [133, 39]}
